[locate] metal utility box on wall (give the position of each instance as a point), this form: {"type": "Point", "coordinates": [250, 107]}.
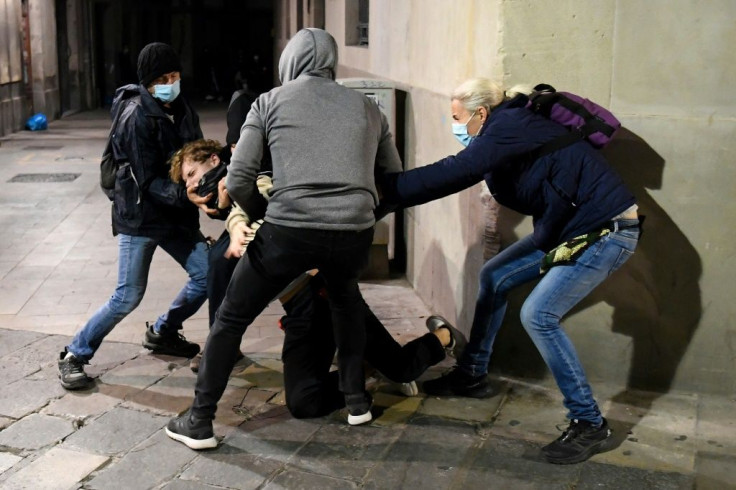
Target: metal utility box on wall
{"type": "Point", "coordinates": [388, 242]}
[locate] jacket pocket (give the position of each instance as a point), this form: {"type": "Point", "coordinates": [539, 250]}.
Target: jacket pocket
{"type": "Point", "coordinates": [127, 197]}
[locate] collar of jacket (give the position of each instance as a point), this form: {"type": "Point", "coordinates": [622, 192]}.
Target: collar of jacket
{"type": "Point", "coordinates": [518, 101]}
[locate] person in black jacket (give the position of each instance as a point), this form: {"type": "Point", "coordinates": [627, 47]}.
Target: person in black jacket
{"type": "Point", "coordinates": [585, 227]}
{"type": "Point", "coordinates": [149, 211]}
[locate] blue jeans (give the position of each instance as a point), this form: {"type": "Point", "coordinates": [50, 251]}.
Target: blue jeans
{"type": "Point", "coordinates": [135, 256]}
{"type": "Point", "coordinates": [557, 292]}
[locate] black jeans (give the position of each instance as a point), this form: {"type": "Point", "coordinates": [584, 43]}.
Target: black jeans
{"type": "Point", "coordinates": [219, 273]}
{"type": "Point", "coordinates": [276, 256]}
{"type": "Point", "coordinates": [310, 388]}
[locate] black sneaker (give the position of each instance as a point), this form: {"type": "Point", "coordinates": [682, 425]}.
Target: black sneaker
{"type": "Point", "coordinates": [171, 344]}
{"type": "Point", "coordinates": [71, 372]}
{"type": "Point", "coordinates": [457, 339]}
{"type": "Point", "coordinates": [458, 383]}
{"type": "Point", "coordinates": [578, 442]}
{"type": "Point", "coordinates": [193, 432]}
{"type": "Point", "coordinates": [359, 408]}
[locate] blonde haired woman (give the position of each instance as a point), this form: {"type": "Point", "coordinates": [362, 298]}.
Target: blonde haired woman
{"type": "Point", "coordinates": [578, 204]}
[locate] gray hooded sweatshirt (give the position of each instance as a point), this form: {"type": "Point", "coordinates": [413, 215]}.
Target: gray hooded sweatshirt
{"type": "Point", "coordinates": [327, 143]}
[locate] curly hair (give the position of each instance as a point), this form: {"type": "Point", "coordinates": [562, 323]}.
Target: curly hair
{"type": "Point", "coordinates": [198, 151]}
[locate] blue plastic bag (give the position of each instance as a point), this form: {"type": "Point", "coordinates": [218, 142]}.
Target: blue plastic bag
{"type": "Point", "coordinates": [37, 122]}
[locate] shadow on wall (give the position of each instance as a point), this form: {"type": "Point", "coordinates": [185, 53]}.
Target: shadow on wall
{"type": "Point", "coordinates": [655, 295]}
{"type": "Point", "coordinates": [434, 274]}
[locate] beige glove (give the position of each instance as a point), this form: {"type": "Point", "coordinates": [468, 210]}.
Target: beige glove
{"type": "Point", "coordinates": [264, 184]}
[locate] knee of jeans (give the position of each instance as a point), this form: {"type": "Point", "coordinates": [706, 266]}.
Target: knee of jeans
{"type": "Point", "coordinates": [126, 300]}
{"type": "Point", "coordinates": [534, 319]}
{"type": "Point", "coordinates": [492, 282]}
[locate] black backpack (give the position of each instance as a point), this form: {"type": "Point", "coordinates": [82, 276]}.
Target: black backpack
{"type": "Point", "coordinates": [109, 166]}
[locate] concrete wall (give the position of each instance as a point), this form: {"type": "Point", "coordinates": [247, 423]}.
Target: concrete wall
{"type": "Point", "coordinates": [14, 106]}
{"type": "Point", "coordinates": [45, 82]}
{"type": "Point", "coordinates": [666, 320]}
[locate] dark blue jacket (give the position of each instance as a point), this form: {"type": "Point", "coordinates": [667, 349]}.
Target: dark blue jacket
{"type": "Point", "coordinates": [146, 201]}
{"type": "Point", "coordinates": [569, 192]}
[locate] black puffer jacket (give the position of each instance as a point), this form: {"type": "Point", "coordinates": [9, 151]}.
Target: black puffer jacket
{"type": "Point", "coordinates": [146, 201]}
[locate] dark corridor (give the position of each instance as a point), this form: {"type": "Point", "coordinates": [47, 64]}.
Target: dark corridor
{"type": "Point", "coordinates": [222, 43]}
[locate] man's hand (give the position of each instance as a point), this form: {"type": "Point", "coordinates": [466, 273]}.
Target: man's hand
{"type": "Point", "coordinates": [199, 201]}
{"type": "Point", "coordinates": [223, 199]}
{"type": "Point", "coordinates": [240, 236]}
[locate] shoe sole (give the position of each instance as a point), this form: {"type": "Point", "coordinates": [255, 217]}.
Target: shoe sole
{"type": "Point", "coordinates": [360, 419]}
{"type": "Point", "coordinates": [157, 350]}
{"type": "Point", "coordinates": [195, 444]}
{"type": "Point", "coordinates": [77, 385]}
{"type": "Point", "coordinates": [584, 456]}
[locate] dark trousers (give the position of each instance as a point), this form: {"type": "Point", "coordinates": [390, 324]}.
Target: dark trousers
{"type": "Point", "coordinates": [311, 389]}
{"type": "Point", "coordinates": [276, 256]}
{"type": "Point", "coordinates": [219, 273]}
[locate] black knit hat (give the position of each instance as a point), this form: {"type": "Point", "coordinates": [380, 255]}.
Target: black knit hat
{"type": "Point", "coordinates": [156, 59]}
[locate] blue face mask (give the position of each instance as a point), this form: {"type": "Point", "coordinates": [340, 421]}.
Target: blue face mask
{"type": "Point", "coordinates": [167, 93]}
{"type": "Point", "coordinates": [461, 132]}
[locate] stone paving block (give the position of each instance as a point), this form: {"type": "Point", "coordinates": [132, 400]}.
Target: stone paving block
{"type": "Point", "coordinates": [25, 396]}
{"type": "Point", "coordinates": [82, 404]}
{"type": "Point", "coordinates": [716, 425]}
{"type": "Point", "coordinates": [7, 461]}
{"type": "Point", "coordinates": [274, 435]}
{"type": "Point", "coordinates": [115, 432]}
{"type": "Point", "coordinates": [715, 471]}
{"type": "Point", "coordinates": [594, 476]}
{"type": "Point", "coordinates": [140, 372]}
{"type": "Point", "coordinates": [228, 416]}
{"type": "Point", "coordinates": [43, 352]}
{"type": "Point", "coordinates": [187, 485]}
{"type": "Point", "coordinates": [171, 395]}
{"type": "Point", "coordinates": [428, 453]}
{"type": "Point", "coordinates": [230, 467]}
{"type": "Point", "coordinates": [254, 401]}
{"type": "Point", "coordinates": [35, 431]}
{"type": "Point", "coordinates": [303, 481]}
{"type": "Point", "coordinates": [529, 412]}
{"type": "Point", "coordinates": [57, 468]}
{"type": "Point", "coordinates": [12, 340]}
{"type": "Point", "coordinates": [147, 465]}
{"type": "Point", "coordinates": [265, 378]}
{"type": "Point", "coordinates": [342, 451]}
{"type": "Point", "coordinates": [468, 409]}
{"type": "Point", "coordinates": [13, 368]}
{"type": "Point", "coordinates": [659, 431]}
{"type": "Point", "coordinates": [15, 294]}
{"type": "Point", "coordinates": [513, 463]}
{"type": "Point", "coordinates": [394, 409]}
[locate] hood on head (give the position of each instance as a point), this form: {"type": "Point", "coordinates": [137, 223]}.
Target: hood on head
{"type": "Point", "coordinates": [311, 51]}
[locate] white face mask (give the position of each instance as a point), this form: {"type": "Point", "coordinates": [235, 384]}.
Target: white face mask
{"type": "Point", "coordinates": [460, 130]}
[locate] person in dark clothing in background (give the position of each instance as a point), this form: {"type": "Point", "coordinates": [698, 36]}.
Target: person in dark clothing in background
{"type": "Point", "coordinates": [151, 121]}
{"type": "Point", "coordinates": [585, 227]}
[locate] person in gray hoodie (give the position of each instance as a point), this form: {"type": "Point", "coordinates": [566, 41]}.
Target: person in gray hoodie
{"type": "Point", "coordinates": [327, 143]}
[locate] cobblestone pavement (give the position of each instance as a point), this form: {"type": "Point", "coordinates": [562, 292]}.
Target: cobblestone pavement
{"type": "Point", "coordinates": [58, 264]}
